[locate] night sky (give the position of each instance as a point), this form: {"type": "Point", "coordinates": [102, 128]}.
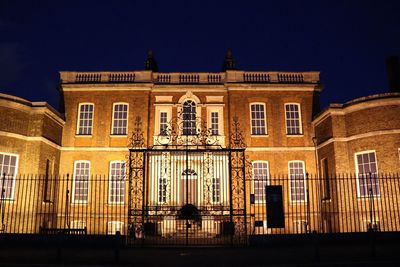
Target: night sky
{"type": "Point", "coordinates": [347, 41]}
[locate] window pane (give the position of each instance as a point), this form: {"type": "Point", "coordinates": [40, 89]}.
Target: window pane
{"type": "Point", "coordinates": [85, 119]}
{"type": "Point", "coordinates": [117, 182]}
{"type": "Point", "coordinates": [292, 113]}
{"type": "Point", "coordinates": [258, 119]}
{"type": "Point", "coordinates": [368, 182]}
{"type": "Point", "coordinates": [260, 179]}
{"type": "Point", "coordinates": [297, 181]}
{"type": "Point", "coordinates": [81, 181]}
{"type": "Point", "coordinates": [120, 119]}
{"type": "Point", "coordinates": [189, 118]}
{"type": "Point", "coordinates": [8, 167]}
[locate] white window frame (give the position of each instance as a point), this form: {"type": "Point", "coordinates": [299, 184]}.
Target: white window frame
{"type": "Point", "coordinates": [191, 121]}
{"type": "Point", "coordinates": [216, 198]}
{"type": "Point", "coordinates": [189, 96]}
{"type": "Point", "coordinates": [254, 183]}
{"type": "Point", "coordinates": [303, 226]}
{"type": "Point", "coordinates": [304, 180]}
{"type": "Point", "coordinates": [79, 116]}
{"type": "Point", "coordinates": [376, 225]}
{"type": "Point", "coordinates": [220, 110]}
{"type": "Point", "coordinates": [222, 175]}
{"type": "Point", "coordinates": [214, 130]}
{"type": "Point", "coordinates": [167, 108]}
{"type": "Point", "coordinates": [74, 184]}
{"type": "Point", "coordinates": [162, 191]}
{"type": "Point", "coordinates": [301, 133]}
{"type": "Point", "coordinates": [14, 175]}
{"type": "Point", "coordinates": [265, 120]}
{"type": "Point", "coordinates": [358, 173]}
{"type": "Point", "coordinates": [114, 226]}
{"type": "Point", "coordinates": [163, 124]}
{"type": "Point", "coordinates": [113, 119]}
{"type": "Point", "coordinates": [78, 224]}
{"type": "Point", "coordinates": [110, 182]}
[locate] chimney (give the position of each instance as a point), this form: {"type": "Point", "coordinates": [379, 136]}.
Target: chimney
{"type": "Point", "coordinates": [229, 61]}
{"type": "Point", "coordinates": [150, 63]}
{"type": "Point", "coordinates": [393, 72]}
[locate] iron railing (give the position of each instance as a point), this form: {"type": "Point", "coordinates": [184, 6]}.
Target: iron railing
{"type": "Point", "coordinates": [341, 203]}
{"type": "Point", "coordinates": [99, 205]}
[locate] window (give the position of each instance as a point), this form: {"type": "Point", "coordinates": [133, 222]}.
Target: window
{"type": "Point", "coordinates": [189, 118]}
{"type": "Point", "coordinates": [325, 176]}
{"type": "Point", "coordinates": [258, 119]}
{"type": "Point", "coordinates": [216, 189]}
{"type": "Point", "coordinates": [163, 123]}
{"type": "Point", "coordinates": [120, 119]}
{"type": "Point", "coordinates": [78, 224]}
{"type": "Point", "coordinates": [8, 172]}
{"type": "Point", "coordinates": [85, 119]}
{"type": "Point", "coordinates": [261, 227]}
{"type": "Point", "coordinates": [162, 190]}
{"type": "Point", "coordinates": [214, 123]}
{"type": "Point", "coordinates": [80, 190]}
{"type": "Point", "coordinates": [115, 226]}
{"type": "Point", "coordinates": [48, 189]}
{"type": "Point", "coordinates": [260, 179]}
{"type": "Point", "coordinates": [297, 181]}
{"type": "Point", "coordinates": [116, 193]}
{"type": "Point", "coordinates": [299, 227]}
{"type": "Point", "coordinates": [374, 226]}
{"type": "Point", "coordinates": [293, 119]}
{"type": "Point", "coordinates": [367, 173]}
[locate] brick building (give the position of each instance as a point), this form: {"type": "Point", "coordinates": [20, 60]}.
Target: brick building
{"type": "Point", "coordinates": [186, 121]}
{"type": "Point", "coordinates": [360, 137]}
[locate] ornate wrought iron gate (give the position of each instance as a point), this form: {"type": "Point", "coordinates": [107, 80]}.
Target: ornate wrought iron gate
{"type": "Point", "coordinates": [190, 193]}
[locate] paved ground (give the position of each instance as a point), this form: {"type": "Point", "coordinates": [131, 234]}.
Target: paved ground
{"type": "Point", "coordinates": [347, 255]}
{"type": "Point", "coordinates": [332, 250]}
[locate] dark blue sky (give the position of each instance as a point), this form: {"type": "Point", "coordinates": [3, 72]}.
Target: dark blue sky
{"type": "Point", "coordinates": [347, 41]}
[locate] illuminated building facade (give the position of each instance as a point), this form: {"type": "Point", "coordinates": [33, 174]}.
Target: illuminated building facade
{"type": "Point", "coordinates": [188, 128]}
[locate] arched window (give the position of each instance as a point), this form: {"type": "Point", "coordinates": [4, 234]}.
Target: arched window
{"type": "Point", "coordinates": [189, 117]}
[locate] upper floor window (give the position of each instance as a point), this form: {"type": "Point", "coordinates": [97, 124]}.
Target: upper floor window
{"type": "Point", "coordinates": [163, 123]}
{"type": "Point", "coordinates": [214, 123]}
{"type": "Point", "coordinates": [85, 119]}
{"type": "Point", "coordinates": [297, 181]}
{"type": "Point", "coordinates": [120, 119]}
{"type": "Point", "coordinates": [80, 189]}
{"type": "Point", "coordinates": [189, 117]}
{"type": "Point", "coordinates": [258, 119]}
{"type": "Point", "coordinates": [8, 171]}
{"type": "Point", "coordinates": [260, 179]}
{"type": "Point", "coordinates": [293, 119]}
{"type": "Point", "coordinates": [367, 173]}
{"type": "Point", "coordinates": [116, 188]}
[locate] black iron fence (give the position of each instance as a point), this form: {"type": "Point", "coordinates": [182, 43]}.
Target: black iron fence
{"type": "Point", "coordinates": [98, 205]}
{"type": "Point", "coordinates": [339, 203]}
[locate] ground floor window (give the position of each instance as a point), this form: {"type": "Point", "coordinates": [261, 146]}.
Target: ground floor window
{"type": "Point", "coordinates": [78, 224]}
{"type": "Point", "coordinates": [299, 227]}
{"type": "Point", "coordinates": [8, 171]}
{"type": "Point", "coordinates": [81, 182]}
{"type": "Point", "coordinates": [367, 174]}
{"type": "Point", "coordinates": [260, 179]}
{"type": "Point", "coordinates": [115, 226]}
{"type": "Point", "coordinates": [116, 192]}
{"type": "Point", "coordinates": [297, 181]}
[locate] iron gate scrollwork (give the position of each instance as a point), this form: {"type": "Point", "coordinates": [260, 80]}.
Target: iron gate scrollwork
{"type": "Point", "coordinates": [187, 189]}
